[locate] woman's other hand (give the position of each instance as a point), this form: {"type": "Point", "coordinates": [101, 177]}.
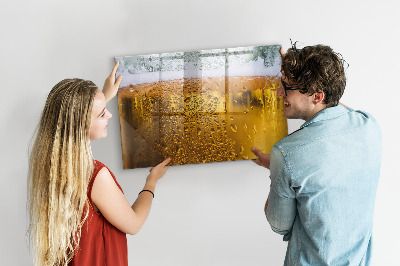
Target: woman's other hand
{"type": "Point", "coordinates": [158, 171]}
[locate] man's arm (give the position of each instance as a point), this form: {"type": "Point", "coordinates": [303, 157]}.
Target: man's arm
{"type": "Point", "coordinates": [280, 208]}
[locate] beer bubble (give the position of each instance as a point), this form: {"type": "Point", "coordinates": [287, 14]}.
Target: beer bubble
{"type": "Point", "coordinates": [234, 128]}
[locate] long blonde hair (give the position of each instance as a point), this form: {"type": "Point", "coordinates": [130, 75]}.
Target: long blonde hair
{"type": "Point", "coordinates": [60, 167]}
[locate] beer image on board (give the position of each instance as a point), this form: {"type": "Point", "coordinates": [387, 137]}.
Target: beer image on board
{"type": "Point", "coordinates": [200, 107]}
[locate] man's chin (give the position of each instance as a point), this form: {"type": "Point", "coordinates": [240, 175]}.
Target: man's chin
{"type": "Point", "coordinates": [287, 114]}
{"type": "Point", "coordinates": [290, 116]}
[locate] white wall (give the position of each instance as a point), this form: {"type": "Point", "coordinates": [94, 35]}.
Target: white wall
{"type": "Point", "coordinates": [209, 214]}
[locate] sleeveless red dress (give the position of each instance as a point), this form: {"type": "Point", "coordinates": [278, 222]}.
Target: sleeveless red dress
{"type": "Point", "coordinates": [101, 243]}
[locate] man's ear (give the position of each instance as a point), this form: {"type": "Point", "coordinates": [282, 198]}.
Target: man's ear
{"type": "Point", "coordinates": [318, 97]}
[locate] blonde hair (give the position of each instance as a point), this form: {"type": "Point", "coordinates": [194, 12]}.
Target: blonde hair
{"type": "Point", "coordinates": [60, 167]}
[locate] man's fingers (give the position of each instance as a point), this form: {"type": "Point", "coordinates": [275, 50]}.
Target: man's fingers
{"type": "Point", "coordinates": [281, 52]}
{"type": "Point", "coordinates": [257, 161]}
{"type": "Point", "coordinates": [256, 151]}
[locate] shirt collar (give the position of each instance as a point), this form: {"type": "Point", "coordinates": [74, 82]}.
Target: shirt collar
{"type": "Point", "coordinates": [326, 114]}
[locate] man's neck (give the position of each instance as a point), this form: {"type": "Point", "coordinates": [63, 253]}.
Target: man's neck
{"type": "Point", "coordinates": [318, 108]}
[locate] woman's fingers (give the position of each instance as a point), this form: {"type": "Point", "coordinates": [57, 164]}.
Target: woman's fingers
{"type": "Point", "coordinates": [114, 70]}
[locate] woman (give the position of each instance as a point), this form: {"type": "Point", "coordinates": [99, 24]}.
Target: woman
{"type": "Point", "coordinates": [78, 212]}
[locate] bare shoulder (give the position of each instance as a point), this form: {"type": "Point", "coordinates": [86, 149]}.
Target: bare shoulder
{"type": "Point", "coordinates": [103, 185]}
{"type": "Point", "coordinates": [111, 202]}
{"type": "Point", "coordinates": [104, 174]}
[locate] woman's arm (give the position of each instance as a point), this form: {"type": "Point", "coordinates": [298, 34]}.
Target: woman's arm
{"type": "Point", "coordinates": [114, 206]}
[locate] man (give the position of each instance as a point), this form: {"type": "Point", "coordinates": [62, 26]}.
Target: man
{"type": "Point", "coordinates": [324, 175]}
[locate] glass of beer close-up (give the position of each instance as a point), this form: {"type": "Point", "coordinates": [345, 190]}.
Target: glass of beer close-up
{"type": "Point", "coordinates": [199, 107]}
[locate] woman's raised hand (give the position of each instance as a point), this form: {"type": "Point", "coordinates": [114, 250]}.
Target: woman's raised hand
{"type": "Point", "coordinates": [111, 85]}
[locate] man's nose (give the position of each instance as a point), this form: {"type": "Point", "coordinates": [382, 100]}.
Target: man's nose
{"type": "Point", "coordinates": [280, 91]}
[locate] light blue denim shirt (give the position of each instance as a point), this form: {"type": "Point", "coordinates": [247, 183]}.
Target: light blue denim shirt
{"type": "Point", "coordinates": [323, 183]}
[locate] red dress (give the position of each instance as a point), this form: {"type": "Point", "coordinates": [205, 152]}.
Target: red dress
{"type": "Point", "coordinates": [101, 243]}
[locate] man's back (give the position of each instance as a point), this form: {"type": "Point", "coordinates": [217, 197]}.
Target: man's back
{"type": "Point", "coordinates": [328, 171]}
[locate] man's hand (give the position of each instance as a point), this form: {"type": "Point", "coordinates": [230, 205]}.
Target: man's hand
{"type": "Point", "coordinates": [282, 55]}
{"type": "Point", "coordinates": [281, 52]}
{"type": "Point", "coordinates": [345, 106]}
{"type": "Point", "coordinates": [266, 206]}
{"type": "Point", "coordinates": [263, 159]}
{"type": "Point", "coordinates": [111, 86]}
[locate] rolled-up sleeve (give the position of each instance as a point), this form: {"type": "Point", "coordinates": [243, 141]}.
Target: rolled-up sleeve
{"type": "Point", "coordinates": [281, 210]}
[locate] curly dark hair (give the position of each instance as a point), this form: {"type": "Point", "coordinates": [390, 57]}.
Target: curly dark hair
{"type": "Point", "coordinates": [316, 69]}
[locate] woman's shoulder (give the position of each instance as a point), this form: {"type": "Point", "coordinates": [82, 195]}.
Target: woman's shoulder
{"type": "Point", "coordinates": [98, 164]}
{"type": "Point", "coordinates": [99, 167]}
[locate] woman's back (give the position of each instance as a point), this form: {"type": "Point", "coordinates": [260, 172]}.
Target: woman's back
{"type": "Point", "coordinates": [60, 168]}
{"type": "Point", "coordinates": [101, 243]}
